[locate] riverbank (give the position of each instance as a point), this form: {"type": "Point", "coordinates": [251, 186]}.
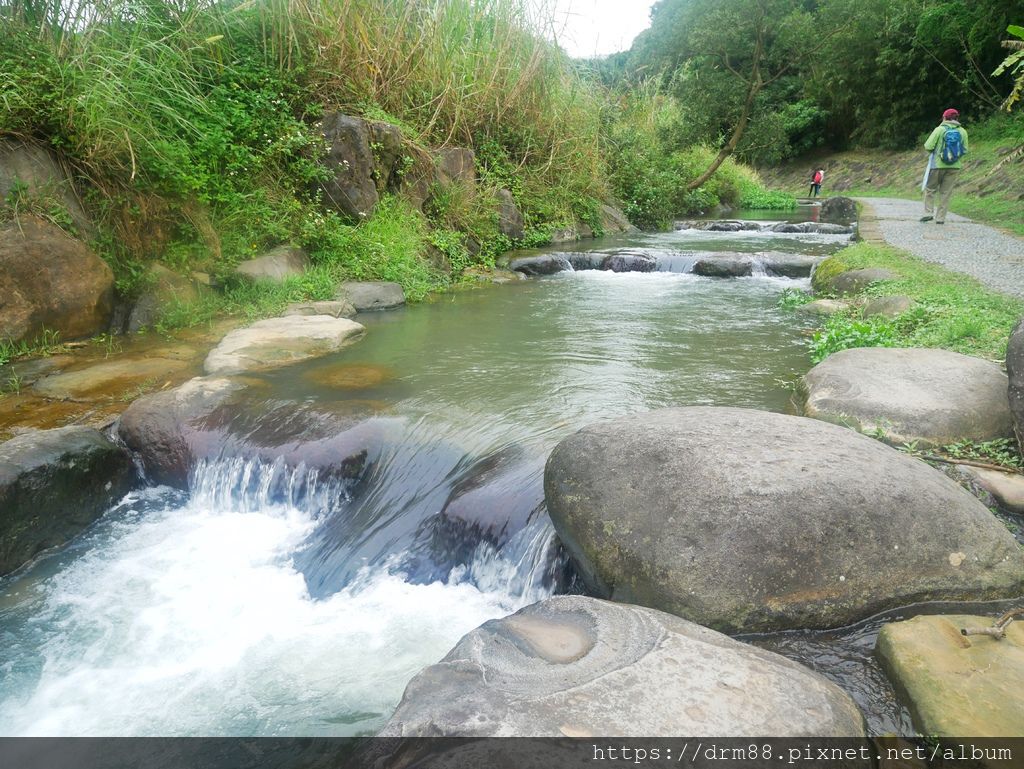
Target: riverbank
{"type": "Point", "coordinates": [990, 189]}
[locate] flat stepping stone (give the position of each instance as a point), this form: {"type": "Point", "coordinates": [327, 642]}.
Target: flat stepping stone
{"type": "Point", "coordinates": [746, 520]}
{"type": "Point", "coordinates": [277, 342]}
{"type": "Point", "coordinates": [903, 395]}
{"type": "Point", "coordinates": [580, 667]}
{"type": "Point", "coordinates": [956, 685]}
{"type": "Point", "coordinates": [111, 379]}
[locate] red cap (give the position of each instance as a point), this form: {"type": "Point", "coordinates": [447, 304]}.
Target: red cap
{"type": "Point", "coordinates": [950, 114]}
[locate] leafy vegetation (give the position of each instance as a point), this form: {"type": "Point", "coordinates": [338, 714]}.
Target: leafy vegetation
{"type": "Point", "coordinates": [950, 310]}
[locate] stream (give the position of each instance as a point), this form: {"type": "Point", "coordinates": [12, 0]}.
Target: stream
{"type": "Point", "coordinates": [270, 601]}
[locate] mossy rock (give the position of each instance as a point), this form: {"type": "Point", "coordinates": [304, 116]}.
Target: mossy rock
{"type": "Point", "coordinates": [956, 685]}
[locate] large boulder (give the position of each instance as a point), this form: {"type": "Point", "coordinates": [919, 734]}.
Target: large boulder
{"type": "Point", "coordinates": [956, 685]}
{"type": "Point", "coordinates": [275, 265]}
{"type": "Point", "coordinates": [903, 395]}
{"type": "Point", "coordinates": [214, 417]}
{"type": "Point", "coordinates": [388, 149]}
{"type": "Point", "coordinates": [53, 484]}
{"type": "Point", "coordinates": [1015, 382]}
{"type": "Point", "coordinates": [510, 218]}
{"type": "Point", "coordinates": [746, 520]}
{"type": "Point", "coordinates": [579, 667]}
{"type": "Point", "coordinates": [351, 190]}
{"type": "Point", "coordinates": [276, 342]}
{"type": "Point", "coordinates": [50, 281]}
{"type": "Point", "coordinates": [888, 307]}
{"type": "Point", "coordinates": [164, 289]}
{"type": "Point", "coordinates": [40, 175]}
{"type": "Point", "coordinates": [785, 265]}
{"type": "Point", "coordinates": [839, 209]}
{"type": "Point", "coordinates": [456, 165]}
{"type": "Point", "coordinates": [372, 295]}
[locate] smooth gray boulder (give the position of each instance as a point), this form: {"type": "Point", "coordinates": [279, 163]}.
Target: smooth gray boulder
{"type": "Point", "coordinates": [887, 306]}
{"type": "Point", "coordinates": [851, 281]}
{"type": "Point", "coordinates": [746, 520]}
{"type": "Point", "coordinates": [783, 265]}
{"type": "Point", "coordinates": [724, 266]}
{"type": "Point", "coordinates": [276, 342]}
{"type": "Point", "coordinates": [903, 395]}
{"type": "Point", "coordinates": [370, 295]}
{"type": "Point", "coordinates": [572, 666]}
{"type": "Point", "coordinates": [53, 484]}
{"type": "Point", "coordinates": [275, 265]}
{"type": "Point", "coordinates": [547, 264]}
{"type": "Point", "coordinates": [629, 263]}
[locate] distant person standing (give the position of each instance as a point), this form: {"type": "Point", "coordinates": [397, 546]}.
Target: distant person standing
{"type": "Point", "coordinates": [947, 145]}
{"type": "Point", "coordinates": [816, 179]}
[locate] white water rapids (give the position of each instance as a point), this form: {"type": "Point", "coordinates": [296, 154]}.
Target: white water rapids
{"type": "Point", "coordinates": [187, 617]}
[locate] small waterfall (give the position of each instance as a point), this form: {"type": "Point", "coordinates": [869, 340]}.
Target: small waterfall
{"type": "Point", "coordinates": [758, 266]}
{"type": "Point", "coordinates": [248, 485]}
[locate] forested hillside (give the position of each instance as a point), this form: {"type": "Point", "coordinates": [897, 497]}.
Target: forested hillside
{"type": "Point", "coordinates": [805, 73]}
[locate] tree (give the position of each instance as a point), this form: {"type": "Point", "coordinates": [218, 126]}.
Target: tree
{"type": "Point", "coordinates": [1013, 63]}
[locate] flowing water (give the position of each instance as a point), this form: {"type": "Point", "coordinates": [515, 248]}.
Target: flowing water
{"type": "Point", "coordinates": [269, 600]}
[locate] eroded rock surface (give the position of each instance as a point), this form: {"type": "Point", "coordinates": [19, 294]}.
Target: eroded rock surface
{"type": "Point", "coordinates": [581, 667]}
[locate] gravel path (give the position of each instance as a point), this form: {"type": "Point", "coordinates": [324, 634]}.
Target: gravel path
{"type": "Point", "coordinates": [994, 258]}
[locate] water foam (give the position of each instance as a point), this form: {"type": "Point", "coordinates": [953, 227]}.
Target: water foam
{"type": "Point", "coordinates": [192, 620]}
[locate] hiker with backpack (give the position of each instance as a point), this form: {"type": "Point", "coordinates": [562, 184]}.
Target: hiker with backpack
{"type": "Point", "coordinates": [816, 179]}
{"type": "Point", "coordinates": [947, 145]}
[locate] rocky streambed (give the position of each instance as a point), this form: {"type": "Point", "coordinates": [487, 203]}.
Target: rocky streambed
{"type": "Point", "coordinates": [310, 527]}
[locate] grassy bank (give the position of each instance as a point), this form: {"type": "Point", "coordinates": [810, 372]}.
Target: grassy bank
{"type": "Point", "coordinates": [950, 311]}
{"type": "Point", "coordinates": [191, 132]}
{"type": "Point", "coordinates": [990, 190]}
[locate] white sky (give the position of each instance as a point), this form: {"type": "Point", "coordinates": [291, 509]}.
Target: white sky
{"type": "Point", "coordinates": [598, 27]}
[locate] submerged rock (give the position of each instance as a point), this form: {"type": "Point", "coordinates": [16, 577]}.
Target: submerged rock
{"type": "Point", "coordinates": [351, 376]}
{"type": "Point", "coordinates": [53, 484]}
{"type": "Point", "coordinates": [213, 417]}
{"type": "Point", "coordinates": [903, 395]}
{"type": "Point", "coordinates": [745, 520]}
{"type": "Point", "coordinates": [370, 295]}
{"type": "Point", "coordinates": [580, 667]}
{"type": "Point", "coordinates": [111, 379]}
{"type": "Point", "coordinates": [956, 685]}
{"type": "Point", "coordinates": [547, 264]}
{"type": "Point", "coordinates": [276, 342]}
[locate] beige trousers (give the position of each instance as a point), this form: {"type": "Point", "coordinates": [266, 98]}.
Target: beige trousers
{"type": "Point", "coordinates": [941, 182]}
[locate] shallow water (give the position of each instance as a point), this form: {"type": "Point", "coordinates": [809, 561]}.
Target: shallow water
{"type": "Point", "coordinates": [243, 609]}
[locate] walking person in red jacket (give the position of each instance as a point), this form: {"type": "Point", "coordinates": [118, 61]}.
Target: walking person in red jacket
{"type": "Point", "coordinates": [816, 181]}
